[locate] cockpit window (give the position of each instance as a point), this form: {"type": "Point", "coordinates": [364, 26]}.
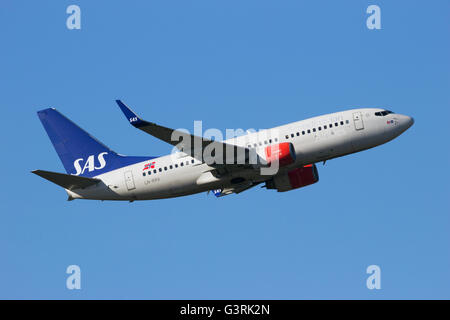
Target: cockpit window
{"type": "Point", "coordinates": [383, 113]}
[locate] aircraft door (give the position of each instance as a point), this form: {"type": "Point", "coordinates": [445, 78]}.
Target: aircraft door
{"type": "Point", "coordinates": [129, 180]}
{"type": "Point", "coordinates": [358, 121]}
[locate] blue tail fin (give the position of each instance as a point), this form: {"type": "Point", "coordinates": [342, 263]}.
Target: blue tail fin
{"type": "Point", "coordinates": [80, 153]}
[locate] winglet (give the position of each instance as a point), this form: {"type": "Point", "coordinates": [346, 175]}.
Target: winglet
{"type": "Point", "coordinates": [131, 116]}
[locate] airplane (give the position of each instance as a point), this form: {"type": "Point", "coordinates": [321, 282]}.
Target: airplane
{"type": "Point", "coordinates": [282, 158]}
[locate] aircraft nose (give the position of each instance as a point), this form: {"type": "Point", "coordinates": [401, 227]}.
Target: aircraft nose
{"type": "Point", "coordinates": [406, 122]}
{"type": "Point", "coordinates": [409, 121]}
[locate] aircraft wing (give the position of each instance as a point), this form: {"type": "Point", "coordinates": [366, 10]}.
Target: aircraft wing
{"type": "Point", "coordinates": [195, 146]}
{"type": "Point", "coordinates": [235, 189]}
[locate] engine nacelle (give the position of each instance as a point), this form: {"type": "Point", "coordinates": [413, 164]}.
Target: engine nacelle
{"type": "Point", "coordinates": [293, 179]}
{"type": "Point", "coordinates": [283, 152]}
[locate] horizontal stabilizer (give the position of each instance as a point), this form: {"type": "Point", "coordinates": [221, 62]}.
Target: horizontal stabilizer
{"type": "Point", "coordinates": [67, 181]}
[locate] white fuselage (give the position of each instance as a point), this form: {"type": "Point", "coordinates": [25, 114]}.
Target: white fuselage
{"type": "Point", "coordinates": [315, 139]}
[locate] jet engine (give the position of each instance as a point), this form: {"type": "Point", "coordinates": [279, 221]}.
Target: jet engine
{"type": "Point", "coordinates": [293, 179]}
{"type": "Point", "coordinates": [283, 152]}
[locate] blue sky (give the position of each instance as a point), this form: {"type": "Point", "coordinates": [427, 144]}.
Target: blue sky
{"type": "Point", "coordinates": [231, 64]}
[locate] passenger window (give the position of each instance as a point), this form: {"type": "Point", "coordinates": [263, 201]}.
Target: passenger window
{"type": "Point", "coordinates": [160, 169]}
{"type": "Point", "coordinates": [149, 172]}
{"type": "Point", "coordinates": [342, 123]}
{"type": "Point", "coordinates": [176, 165]}
{"type": "Point", "coordinates": [143, 173]}
{"type": "Point", "coordinates": [324, 127]}
{"type": "Point", "coordinates": [320, 128]}
{"type": "Point", "coordinates": [298, 133]}
{"type": "Point", "coordinates": [287, 137]}
{"type": "Point", "coordinates": [314, 129]}
{"type": "Point", "coordinates": [154, 171]}
{"type": "Point", "coordinates": [276, 139]}
{"type": "Point", "coordinates": [309, 131]}
{"type": "Point", "coordinates": [170, 167]}
{"type": "Point", "coordinates": [331, 125]}
{"type": "Point", "coordinates": [303, 132]}
{"type": "Point", "coordinates": [292, 135]}
{"type": "Point", "coordinates": [255, 145]}
{"type": "Point", "coordinates": [335, 124]}
{"type": "Point", "coordinates": [270, 140]}
{"type": "Point", "coordinates": [165, 168]}
{"type": "Point", "coordinates": [265, 142]}
{"type": "Point", "coordinates": [192, 161]}
{"type": "Point", "coordinates": [187, 163]}
{"type": "Point", "coordinates": [182, 164]}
